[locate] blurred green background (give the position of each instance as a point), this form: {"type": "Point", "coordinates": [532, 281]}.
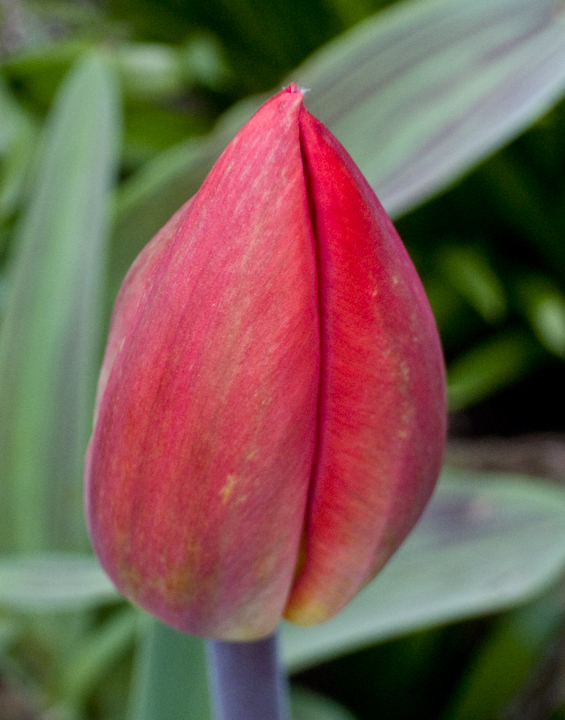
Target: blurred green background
{"type": "Point", "coordinates": [111, 114]}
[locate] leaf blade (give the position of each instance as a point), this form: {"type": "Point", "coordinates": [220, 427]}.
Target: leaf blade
{"type": "Point", "coordinates": [49, 339]}
{"type": "Point", "coordinates": [423, 91]}
{"type": "Point", "coordinates": [58, 582]}
{"type": "Point", "coordinates": [483, 544]}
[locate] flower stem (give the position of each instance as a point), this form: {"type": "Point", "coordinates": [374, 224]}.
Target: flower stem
{"type": "Point", "coordinates": [246, 682]}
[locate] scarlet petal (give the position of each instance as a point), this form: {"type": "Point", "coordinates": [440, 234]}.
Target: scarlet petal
{"type": "Point", "coordinates": [199, 465]}
{"type": "Point", "coordinates": [271, 347]}
{"type": "Point", "coordinates": [382, 412]}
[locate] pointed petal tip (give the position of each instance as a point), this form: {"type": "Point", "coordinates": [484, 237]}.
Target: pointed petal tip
{"type": "Point", "coordinates": [293, 88]}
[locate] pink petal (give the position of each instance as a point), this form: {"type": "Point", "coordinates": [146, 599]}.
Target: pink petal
{"type": "Point", "coordinates": [382, 413]}
{"type": "Point", "coordinates": [199, 465]}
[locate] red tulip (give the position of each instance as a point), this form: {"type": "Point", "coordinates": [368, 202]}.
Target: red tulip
{"type": "Point", "coordinates": [271, 409]}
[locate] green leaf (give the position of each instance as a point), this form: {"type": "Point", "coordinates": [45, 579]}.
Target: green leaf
{"type": "Point", "coordinates": [204, 61]}
{"type": "Point", "coordinates": [525, 205]}
{"type": "Point", "coordinates": [15, 168]}
{"type": "Point", "coordinates": [469, 271]}
{"type": "Point", "coordinates": [503, 662]}
{"type": "Point", "coordinates": [151, 70]}
{"type": "Point", "coordinates": [308, 705]}
{"type": "Point", "coordinates": [170, 680]}
{"type": "Point", "coordinates": [485, 542]}
{"type": "Point", "coordinates": [50, 340]}
{"type": "Point", "coordinates": [490, 366]}
{"type": "Point", "coordinates": [9, 631]}
{"type": "Point", "coordinates": [51, 582]}
{"type": "Point", "coordinates": [424, 90]}
{"type": "Point", "coordinates": [450, 309]}
{"type": "Point", "coordinates": [42, 66]}
{"type": "Point", "coordinates": [96, 653]}
{"type": "Point", "coordinates": [544, 306]}
{"type": "Point", "coordinates": [17, 144]}
{"type": "Point", "coordinates": [12, 116]}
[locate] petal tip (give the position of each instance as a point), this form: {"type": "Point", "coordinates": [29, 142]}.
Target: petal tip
{"type": "Point", "coordinates": [307, 614]}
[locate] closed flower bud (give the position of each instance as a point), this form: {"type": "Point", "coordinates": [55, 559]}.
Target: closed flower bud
{"type": "Point", "coordinates": [270, 415]}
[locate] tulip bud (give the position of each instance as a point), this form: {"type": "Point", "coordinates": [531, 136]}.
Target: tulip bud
{"type": "Point", "coordinates": [270, 415]}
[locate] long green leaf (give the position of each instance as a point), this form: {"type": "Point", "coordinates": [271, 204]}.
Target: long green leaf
{"type": "Point", "coordinates": [49, 342]}
{"type": "Point", "coordinates": [170, 681]}
{"type": "Point", "coordinates": [503, 663]}
{"type": "Point", "coordinates": [426, 89]}
{"type": "Point", "coordinates": [53, 582]}
{"type": "Point", "coordinates": [484, 543]}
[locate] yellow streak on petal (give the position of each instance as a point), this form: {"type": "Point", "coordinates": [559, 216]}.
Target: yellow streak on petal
{"type": "Point", "coordinates": [313, 613]}
{"type": "Point", "coordinates": [227, 490]}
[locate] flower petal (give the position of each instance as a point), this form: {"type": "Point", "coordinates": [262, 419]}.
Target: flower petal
{"type": "Point", "coordinates": [382, 410]}
{"type": "Point", "coordinates": [199, 465]}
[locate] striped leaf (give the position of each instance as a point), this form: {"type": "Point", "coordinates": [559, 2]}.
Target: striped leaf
{"type": "Point", "coordinates": [49, 341]}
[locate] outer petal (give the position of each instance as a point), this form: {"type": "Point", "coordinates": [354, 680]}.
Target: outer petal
{"type": "Point", "coordinates": [382, 409]}
{"type": "Point", "coordinates": [199, 465]}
